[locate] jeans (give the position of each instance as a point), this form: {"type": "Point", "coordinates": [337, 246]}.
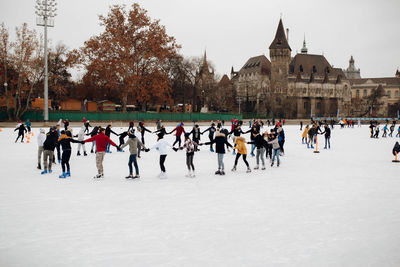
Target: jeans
{"type": "Point", "coordinates": [93, 146]}
{"type": "Point", "coordinates": [260, 153]}
{"type": "Point", "coordinates": [327, 141]}
{"type": "Point", "coordinates": [220, 161]}
{"type": "Point", "coordinates": [253, 146]}
{"type": "Point", "coordinates": [132, 159]}
{"type": "Point", "coordinates": [275, 153]}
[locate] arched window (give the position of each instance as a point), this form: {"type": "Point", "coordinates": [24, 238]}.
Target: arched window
{"type": "Point", "coordinates": [358, 93]}
{"type": "Point", "coordinates": [396, 94]}
{"type": "Point", "coordinates": [389, 94]}
{"type": "Point", "coordinates": [365, 93]}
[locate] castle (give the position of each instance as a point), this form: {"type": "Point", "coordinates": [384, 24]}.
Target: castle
{"type": "Point", "coordinates": [306, 85]}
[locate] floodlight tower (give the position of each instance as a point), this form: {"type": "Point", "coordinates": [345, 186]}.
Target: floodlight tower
{"type": "Point", "coordinates": [45, 12]}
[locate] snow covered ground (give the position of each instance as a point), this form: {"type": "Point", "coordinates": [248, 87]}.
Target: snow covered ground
{"type": "Point", "coordinates": [340, 207]}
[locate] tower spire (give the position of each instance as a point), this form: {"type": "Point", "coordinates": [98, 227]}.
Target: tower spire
{"type": "Point", "coordinates": [280, 40]}
{"type": "Point", "coordinates": [304, 50]}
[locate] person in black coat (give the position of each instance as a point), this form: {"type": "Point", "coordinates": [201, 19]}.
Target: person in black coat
{"type": "Point", "coordinates": [122, 138]}
{"type": "Point", "coordinates": [21, 132]}
{"type": "Point", "coordinates": [196, 136]}
{"type": "Point", "coordinates": [48, 149]}
{"type": "Point", "coordinates": [259, 142]}
{"type": "Point", "coordinates": [108, 132]}
{"type": "Point", "coordinates": [220, 142]}
{"type": "Point", "coordinates": [162, 131]}
{"type": "Point", "coordinates": [143, 130]}
{"type": "Point", "coordinates": [211, 130]}
{"type": "Point", "coordinates": [64, 141]}
{"type": "Point", "coordinates": [327, 133]}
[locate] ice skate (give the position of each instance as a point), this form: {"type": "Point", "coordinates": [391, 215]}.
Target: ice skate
{"type": "Point", "coordinates": [189, 174]}
{"type": "Point", "coordinates": [263, 167]}
{"type": "Point", "coordinates": [272, 163]}
{"type": "Point", "coordinates": [234, 168]}
{"type": "Point", "coordinates": [193, 175]}
{"type": "Point", "coordinates": [68, 174]}
{"type": "Point", "coordinates": [79, 153]}
{"type": "Point", "coordinates": [84, 153]}
{"type": "Point", "coordinates": [256, 167]}
{"type": "Point", "coordinates": [248, 170]}
{"type": "Point", "coordinates": [136, 176]}
{"type": "Point", "coordinates": [163, 175]}
{"type": "Point", "coordinates": [39, 167]}
{"type": "Point", "coordinates": [63, 175]}
{"type": "Point", "coordinates": [130, 176]}
{"type": "Point", "coordinates": [44, 172]}
{"type": "Point", "coordinates": [222, 172]}
{"type": "Point", "coordinates": [100, 175]}
{"type": "Point", "coordinates": [277, 164]}
{"type": "Point", "coordinates": [50, 171]}
{"type": "Point", "coordinates": [218, 172]}
{"type": "Point", "coordinates": [211, 149]}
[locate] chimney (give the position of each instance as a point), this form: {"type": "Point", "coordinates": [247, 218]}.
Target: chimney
{"type": "Point", "coordinates": [287, 34]}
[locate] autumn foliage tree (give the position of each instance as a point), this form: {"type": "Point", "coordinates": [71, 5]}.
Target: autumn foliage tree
{"type": "Point", "coordinates": [130, 58]}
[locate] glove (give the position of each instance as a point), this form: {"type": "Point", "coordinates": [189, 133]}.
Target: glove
{"type": "Point", "coordinates": [146, 150]}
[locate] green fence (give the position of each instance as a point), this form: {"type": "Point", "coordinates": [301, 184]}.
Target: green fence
{"type": "Point", "coordinates": [118, 116]}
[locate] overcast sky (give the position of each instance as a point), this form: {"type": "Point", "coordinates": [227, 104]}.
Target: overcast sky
{"type": "Point", "coordinates": [234, 30]}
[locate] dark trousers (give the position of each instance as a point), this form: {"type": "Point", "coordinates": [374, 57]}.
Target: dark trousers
{"type": "Point", "coordinates": [244, 159]}
{"type": "Point", "coordinates": [132, 159]}
{"type": "Point", "coordinates": [177, 140]}
{"type": "Point", "coordinates": [189, 160]}
{"type": "Point", "coordinates": [211, 137]}
{"type": "Point", "coordinates": [20, 135]}
{"type": "Point", "coordinates": [281, 143]}
{"type": "Point", "coordinates": [143, 138]}
{"type": "Point", "coordinates": [162, 160]}
{"type": "Point", "coordinates": [66, 155]}
{"type": "Point", "coordinates": [29, 128]}
{"type": "Point", "coordinates": [268, 152]}
{"type": "Point", "coordinates": [121, 141]}
{"type": "Point", "coordinates": [197, 141]}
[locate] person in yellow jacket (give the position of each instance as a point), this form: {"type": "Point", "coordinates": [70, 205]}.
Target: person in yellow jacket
{"type": "Point", "coordinates": [240, 145]}
{"type": "Point", "coordinates": [304, 135]}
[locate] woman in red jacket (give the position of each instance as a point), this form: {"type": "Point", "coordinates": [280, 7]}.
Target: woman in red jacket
{"type": "Point", "coordinates": [101, 144]}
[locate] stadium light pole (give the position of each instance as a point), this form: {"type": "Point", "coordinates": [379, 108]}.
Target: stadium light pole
{"type": "Point", "coordinates": [45, 12]}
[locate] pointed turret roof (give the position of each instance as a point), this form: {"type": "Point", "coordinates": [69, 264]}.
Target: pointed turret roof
{"type": "Point", "coordinates": [304, 50]}
{"type": "Point", "coordinates": [280, 40]}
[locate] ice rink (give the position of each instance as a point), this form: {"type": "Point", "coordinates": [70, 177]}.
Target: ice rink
{"type": "Point", "coordinates": [340, 207]}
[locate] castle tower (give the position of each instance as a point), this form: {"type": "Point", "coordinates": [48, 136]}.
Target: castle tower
{"type": "Point", "coordinates": [351, 72]}
{"type": "Point", "coordinates": [280, 54]}
{"type": "Point", "coordinates": [304, 49]}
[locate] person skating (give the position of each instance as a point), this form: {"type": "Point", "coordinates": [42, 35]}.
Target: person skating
{"type": "Point", "coordinates": [240, 145]}
{"type": "Point", "coordinates": [21, 132]}
{"type": "Point", "coordinates": [327, 133]}
{"type": "Point", "coordinates": [131, 125]}
{"type": "Point", "coordinates": [65, 141]}
{"type": "Point", "coordinates": [94, 132]}
{"type": "Point", "coordinates": [253, 133]}
{"type": "Point", "coordinates": [28, 125]}
{"type": "Point", "coordinates": [81, 137]}
{"type": "Point", "coordinates": [391, 130]}
{"type": "Point", "coordinates": [161, 131]}
{"type": "Point", "coordinates": [158, 124]}
{"type": "Point", "coordinates": [260, 144]}
{"type": "Point", "coordinates": [179, 130]}
{"type": "Point", "coordinates": [281, 139]}
{"type": "Point", "coordinates": [190, 146]}
{"type": "Point", "coordinates": [304, 135]}
{"type": "Point", "coordinates": [48, 149]}
{"type": "Point", "coordinates": [108, 133]}
{"type": "Point", "coordinates": [87, 125]}
{"type": "Point", "coordinates": [101, 144]}
{"type": "Point", "coordinates": [142, 130]}
{"type": "Point", "coordinates": [311, 133]}
{"type": "Point", "coordinates": [196, 136]}
{"type": "Point", "coordinates": [162, 147]}
{"type": "Point", "coordinates": [220, 140]}
{"type": "Point", "coordinates": [211, 130]}
{"type": "Point", "coordinates": [40, 139]}
{"type": "Point", "coordinates": [398, 132]}
{"type": "Point", "coordinates": [276, 148]}
{"type": "Point", "coordinates": [385, 129]}
{"type": "Point", "coordinates": [66, 124]}
{"type": "Point", "coordinates": [122, 138]}
{"type": "Point", "coordinates": [301, 125]}
{"type": "Point", "coordinates": [134, 144]}
{"type": "Point", "coordinates": [376, 131]}
{"type": "Point", "coordinates": [237, 131]}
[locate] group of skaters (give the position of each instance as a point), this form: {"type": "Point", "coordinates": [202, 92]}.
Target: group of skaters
{"type": "Point", "coordinates": [56, 142]}
{"type": "Point", "coordinates": [375, 129]}
{"type": "Point", "coordinates": [310, 134]}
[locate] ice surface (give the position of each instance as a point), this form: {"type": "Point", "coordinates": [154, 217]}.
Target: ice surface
{"type": "Point", "coordinates": [340, 207]}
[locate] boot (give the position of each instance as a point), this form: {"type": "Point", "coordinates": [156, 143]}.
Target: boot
{"type": "Point", "coordinates": [44, 172]}
{"type": "Point", "coordinates": [218, 172]}
{"type": "Point", "coordinates": [68, 174]}
{"type": "Point", "coordinates": [272, 163]}
{"type": "Point", "coordinates": [39, 167]}
{"type": "Point", "coordinates": [222, 172]}
{"type": "Point", "coordinates": [63, 175]}
{"type": "Point", "coordinates": [256, 167]}
{"type": "Point", "coordinates": [211, 149]}
{"type": "Point", "coordinates": [277, 163]}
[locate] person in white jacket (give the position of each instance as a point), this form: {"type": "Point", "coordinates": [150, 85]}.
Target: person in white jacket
{"type": "Point", "coordinates": [40, 139]}
{"type": "Point", "coordinates": [162, 147]}
{"type": "Point", "coordinates": [81, 137]}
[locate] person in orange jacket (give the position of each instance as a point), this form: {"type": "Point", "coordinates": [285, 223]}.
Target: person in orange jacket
{"type": "Point", "coordinates": [240, 145]}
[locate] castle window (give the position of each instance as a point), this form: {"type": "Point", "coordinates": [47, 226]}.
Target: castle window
{"type": "Point", "coordinates": [327, 69]}
{"type": "Point", "coordinates": [396, 94]}
{"type": "Point", "coordinates": [304, 90]}
{"type": "Point", "coordinates": [358, 93]}
{"type": "Point", "coordinates": [314, 69]}
{"type": "Point", "coordinates": [301, 68]}
{"type": "Point", "coordinates": [365, 93]}
{"type": "Point", "coordinates": [389, 94]}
